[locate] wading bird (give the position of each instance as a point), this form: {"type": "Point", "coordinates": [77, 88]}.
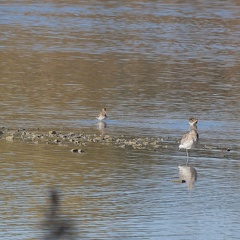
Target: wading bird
{"type": "Point", "coordinates": [102, 115]}
{"type": "Point", "coordinates": [190, 139]}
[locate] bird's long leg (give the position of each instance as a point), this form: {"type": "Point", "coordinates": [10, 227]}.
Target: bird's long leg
{"type": "Point", "coordinates": [187, 156]}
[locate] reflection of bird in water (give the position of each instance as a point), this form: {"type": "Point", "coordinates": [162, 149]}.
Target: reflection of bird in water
{"type": "Point", "coordinates": [102, 115]}
{"type": "Point", "coordinates": [190, 139]}
{"type": "Point", "coordinates": [56, 226]}
{"type": "Point", "coordinates": [101, 126]}
{"type": "Point", "coordinates": [188, 174]}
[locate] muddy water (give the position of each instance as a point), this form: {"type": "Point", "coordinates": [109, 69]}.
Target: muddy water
{"type": "Point", "coordinates": [152, 65]}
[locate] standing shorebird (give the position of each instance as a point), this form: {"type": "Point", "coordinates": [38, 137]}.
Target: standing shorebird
{"type": "Point", "coordinates": [190, 139]}
{"type": "Point", "coordinates": [102, 115]}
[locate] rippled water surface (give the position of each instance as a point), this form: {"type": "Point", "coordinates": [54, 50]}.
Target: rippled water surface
{"type": "Point", "coordinates": [152, 64]}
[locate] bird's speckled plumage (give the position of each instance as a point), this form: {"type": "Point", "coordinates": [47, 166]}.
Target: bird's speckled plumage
{"type": "Point", "coordinates": [189, 140]}
{"type": "Point", "coordinates": [102, 115]}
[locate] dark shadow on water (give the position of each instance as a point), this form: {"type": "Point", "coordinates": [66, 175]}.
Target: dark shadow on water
{"type": "Point", "coordinates": [56, 226]}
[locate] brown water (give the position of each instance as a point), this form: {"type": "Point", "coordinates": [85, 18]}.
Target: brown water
{"type": "Point", "coordinates": [152, 65]}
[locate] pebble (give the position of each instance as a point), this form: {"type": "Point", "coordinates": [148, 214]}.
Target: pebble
{"type": "Point", "coordinates": [122, 146]}
{"type": "Point", "coordinates": [74, 150]}
{"type": "Point", "coordinates": [10, 138]}
{"type": "Point", "coordinates": [52, 132]}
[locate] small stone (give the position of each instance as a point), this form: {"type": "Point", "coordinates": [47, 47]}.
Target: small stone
{"type": "Point", "coordinates": [122, 146]}
{"type": "Point", "coordinates": [62, 136]}
{"type": "Point", "coordinates": [97, 139]}
{"type": "Point", "coordinates": [106, 137]}
{"type": "Point", "coordinates": [71, 134]}
{"type": "Point", "coordinates": [137, 146]}
{"type": "Point", "coordinates": [52, 132]}
{"type": "Point", "coordinates": [1, 132]}
{"type": "Point", "coordinates": [74, 150]}
{"type": "Point", "coordinates": [10, 138]}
